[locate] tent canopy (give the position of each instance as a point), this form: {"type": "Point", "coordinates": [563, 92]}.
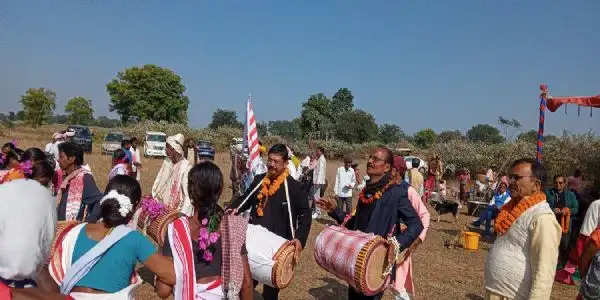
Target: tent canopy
{"type": "Point", "coordinates": [553, 103]}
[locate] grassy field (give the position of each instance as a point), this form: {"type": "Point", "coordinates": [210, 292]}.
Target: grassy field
{"type": "Point", "coordinates": [440, 273]}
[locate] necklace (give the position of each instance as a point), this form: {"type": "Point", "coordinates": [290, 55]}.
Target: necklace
{"type": "Point", "coordinates": [376, 196]}
{"type": "Point", "coordinates": [269, 189]}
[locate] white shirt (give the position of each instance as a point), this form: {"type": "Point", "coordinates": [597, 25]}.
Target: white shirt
{"type": "Point", "coordinates": [345, 180]}
{"type": "Point", "coordinates": [292, 170]}
{"type": "Point", "coordinates": [320, 171]}
{"type": "Point", "coordinates": [591, 221]}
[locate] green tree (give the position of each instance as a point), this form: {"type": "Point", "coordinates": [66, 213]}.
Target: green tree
{"type": "Point", "coordinates": [531, 137]}
{"type": "Point", "coordinates": [425, 138]}
{"type": "Point", "coordinates": [342, 102]}
{"type": "Point", "coordinates": [20, 115]}
{"type": "Point", "coordinates": [262, 128]}
{"type": "Point", "coordinates": [450, 135]}
{"type": "Point", "coordinates": [223, 117]}
{"type": "Point", "coordinates": [357, 126]}
{"type": "Point", "coordinates": [80, 111]}
{"type": "Point", "coordinates": [390, 133]}
{"type": "Point", "coordinates": [485, 133]}
{"type": "Point", "coordinates": [316, 118]}
{"type": "Point", "coordinates": [107, 122]}
{"type": "Point", "coordinates": [148, 93]}
{"type": "Point", "coordinates": [38, 105]}
{"type": "Point", "coordinates": [506, 124]}
{"type": "Point", "coordinates": [286, 129]}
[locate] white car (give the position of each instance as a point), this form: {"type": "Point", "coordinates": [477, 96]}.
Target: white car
{"type": "Point", "coordinates": [155, 144]}
{"type": "Point", "coordinates": [422, 164]}
{"type": "Point", "coordinates": [112, 142]}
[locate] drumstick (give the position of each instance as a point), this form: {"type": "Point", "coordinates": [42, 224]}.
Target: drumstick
{"type": "Point", "coordinates": [287, 197]}
{"type": "Point", "coordinates": [249, 195]}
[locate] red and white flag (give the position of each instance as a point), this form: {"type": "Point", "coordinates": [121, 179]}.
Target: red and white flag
{"type": "Point", "coordinates": [251, 136]}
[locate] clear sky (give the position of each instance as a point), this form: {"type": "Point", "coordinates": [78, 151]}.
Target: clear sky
{"type": "Point", "coordinates": [418, 64]}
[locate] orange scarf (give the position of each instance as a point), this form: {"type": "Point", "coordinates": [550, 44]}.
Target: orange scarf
{"type": "Point", "coordinates": [513, 210]}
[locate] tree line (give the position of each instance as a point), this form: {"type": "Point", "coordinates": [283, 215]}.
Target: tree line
{"type": "Point", "coordinates": [154, 93]}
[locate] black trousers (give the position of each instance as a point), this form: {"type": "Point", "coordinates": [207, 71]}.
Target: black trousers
{"type": "Point", "coordinates": [354, 295]}
{"type": "Point", "coordinates": [269, 293]}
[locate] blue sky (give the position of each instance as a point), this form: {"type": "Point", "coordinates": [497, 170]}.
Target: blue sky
{"type": "Point", "coordinates": [418, 64]}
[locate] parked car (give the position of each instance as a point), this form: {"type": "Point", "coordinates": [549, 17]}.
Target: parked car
{"type": "Point", "coordinates": [112, 142]}
{"type": "Point", "coordinates": [155, 144]}
{"type": "Point", "coordinates": [422, 163]}
{"type": "Point", "coordinates": [82, 137]}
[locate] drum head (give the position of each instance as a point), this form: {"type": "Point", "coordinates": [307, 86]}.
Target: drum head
{"type": "Point", "coordinates": [376, 267]}
{"type": "Point", "coordinates": [370, 266]}
{"type": "Point", "coordinates": [283, 269]}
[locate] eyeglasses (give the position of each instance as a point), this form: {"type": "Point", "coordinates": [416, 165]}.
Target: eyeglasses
{"type": "Point", "coordinates": [560, 182]}
{"type": "Point", "coordinates": [375, 158]}
{"type": "Point", "coordinates": [516, 177]}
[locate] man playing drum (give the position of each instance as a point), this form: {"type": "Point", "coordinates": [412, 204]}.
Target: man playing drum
{"type": "Point", "coordinates": [383, 205]}
{"type": "Point", "coordinates": [268, 204]}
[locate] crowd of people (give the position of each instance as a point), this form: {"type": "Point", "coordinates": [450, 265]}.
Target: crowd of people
{"type": "Point", "coordinates": [205, 256]}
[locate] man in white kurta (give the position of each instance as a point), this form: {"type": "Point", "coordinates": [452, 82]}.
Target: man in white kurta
{"type": "Point", "coordinates": [171, 183]}
{"type": "Point", "coordinates": [522, 262]}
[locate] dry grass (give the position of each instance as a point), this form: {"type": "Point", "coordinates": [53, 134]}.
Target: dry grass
{"type": "Point", "coordinates": [439, 273]}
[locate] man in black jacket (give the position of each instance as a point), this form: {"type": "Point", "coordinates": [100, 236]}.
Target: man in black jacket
{"type": "Point", "coordinates": [271, 210]}
{"type": "Point", "coordinates": [381, 208]}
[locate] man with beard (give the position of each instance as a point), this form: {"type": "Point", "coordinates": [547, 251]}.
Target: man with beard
{"type": "Point", "coordinates": [383, 206]}
{"type": "Point", "coordinates": [269, 204]}
{"type": "Point", "coordinates": [522, 261]}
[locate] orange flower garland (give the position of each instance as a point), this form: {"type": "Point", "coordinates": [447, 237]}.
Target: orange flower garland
{"type": "Point", "coordinates": [363, 198]}
{"type": "Point", "coordinates": [513, 210]}
{"type": "Point", "coordinates": [269, 189]}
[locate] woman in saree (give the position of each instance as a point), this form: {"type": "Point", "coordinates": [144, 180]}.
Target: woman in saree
{"type": "Point", "coordinates": [97, 261]}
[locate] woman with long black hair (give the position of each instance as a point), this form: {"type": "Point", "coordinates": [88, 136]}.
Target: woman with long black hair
{"type": "Point", "coordinates": [209, 244]}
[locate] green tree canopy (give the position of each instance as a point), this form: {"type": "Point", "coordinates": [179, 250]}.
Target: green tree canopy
{"type": "Point", "coordinates": [223, 117]}
{"type": "Point", "coordinates": [357, 126]}
{"type": "Point", "coordinates": [342, 102]}
{"type": "Point", "coordinates": [485, 133]}
{"type": "Point", "coordinates": [390, 133]}
{"type": "Point", "coordinates": [38, 105]}
{"type": "Point", "coordinates": [317, 117]}
{"type": "Point", "coordinates": [148, 93]}
{"type": "Point", "coordinates": [425, 138]}
{"type": "Point", "coordinates": [531, 137]}
{"type": "Point", "coordinates": [80, 111]}
{"type": "Point", "coordinates": [286, 129]}
{"type": "Point", "coordinates": [450, 135]}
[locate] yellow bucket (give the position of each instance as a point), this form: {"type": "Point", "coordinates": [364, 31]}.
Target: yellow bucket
{"type": "Point", "coordinates": [471, 240]}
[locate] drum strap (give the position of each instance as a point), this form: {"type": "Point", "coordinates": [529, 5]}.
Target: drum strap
{"type": "Point", "coordinates": [249, 195]}
{"type": "Point", "coordinates": [287, 198]}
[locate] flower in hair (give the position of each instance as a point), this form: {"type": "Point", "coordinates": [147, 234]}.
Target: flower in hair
{"type": "Point", "coordinates": [125, 205]}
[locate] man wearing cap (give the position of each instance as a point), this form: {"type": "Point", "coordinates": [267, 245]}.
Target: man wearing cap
{"type": "Point", "coordinates": [171, 183]}
{"type": "Point", "coordinates": [205, 151]}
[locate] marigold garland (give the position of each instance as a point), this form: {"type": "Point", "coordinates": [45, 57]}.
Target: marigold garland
{"type": "Point", "coordinates": [565, 220]}
{"type": "Point", "coordinates": [363, 198]}
{"type": "Point", "coordinates": [268, 189]}
{"type": "Point", "coordinates": [512, 211]}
